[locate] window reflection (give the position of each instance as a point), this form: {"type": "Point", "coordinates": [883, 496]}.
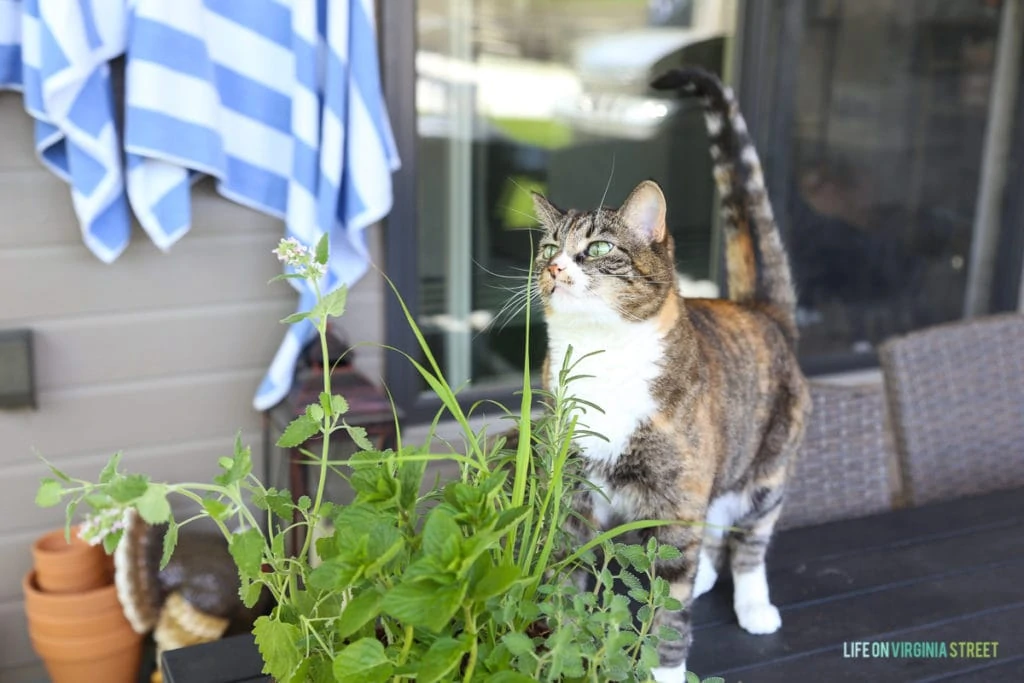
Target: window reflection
{"type": "Point", "coordinates": [891, 107]}
{"type": "Point", "coordinates": [547, 95]}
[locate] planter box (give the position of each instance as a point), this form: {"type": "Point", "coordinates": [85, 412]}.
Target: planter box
{"type": "Point", "coordinates": [229, 660]}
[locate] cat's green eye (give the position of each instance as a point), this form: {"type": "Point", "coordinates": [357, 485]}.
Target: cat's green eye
{"type": "Point", "coordinates": [549, 251]}
{"type": "Point", "coordinates": [597, 249]}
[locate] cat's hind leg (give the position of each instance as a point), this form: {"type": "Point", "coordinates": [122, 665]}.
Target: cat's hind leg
{"type": "Point", "coordinates": [754, 609]}
{"type": "Point", "coordinates": [748, 542]}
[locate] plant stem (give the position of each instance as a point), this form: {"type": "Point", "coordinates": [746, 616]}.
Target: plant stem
{"type": "Point", "coordinates": [326, 443]}
{"type": "Point", "coordinates": [471, 632]}
{"type": "Point", "coordinates": [406, 648]}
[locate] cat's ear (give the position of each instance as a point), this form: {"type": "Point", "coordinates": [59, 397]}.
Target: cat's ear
{"type": "Point", "coordinates": [644, 211]}
{"type": "Point", "coordinates": [547, 213]}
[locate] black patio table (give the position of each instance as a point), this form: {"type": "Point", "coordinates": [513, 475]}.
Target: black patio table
{"type": "Point", "coordinates": [879, 599]}
{"type": "Point", "coordinates": [883, 598]}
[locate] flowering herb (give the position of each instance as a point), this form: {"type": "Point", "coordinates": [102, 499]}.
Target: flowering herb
{"type": "Point", "coordinates": [471, 581]}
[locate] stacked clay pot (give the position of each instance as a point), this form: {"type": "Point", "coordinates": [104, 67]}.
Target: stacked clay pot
{"type": "Point", "coordinates": [75, 620]}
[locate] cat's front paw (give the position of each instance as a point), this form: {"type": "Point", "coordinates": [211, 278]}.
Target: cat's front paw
{"type": "Point", "coordinates": [758, 618]}
{"type": "Point", "coordinates": [670, 674]}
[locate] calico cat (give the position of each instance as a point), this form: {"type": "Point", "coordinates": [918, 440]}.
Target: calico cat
{"type": "Point", "coordinates": [703, 401]}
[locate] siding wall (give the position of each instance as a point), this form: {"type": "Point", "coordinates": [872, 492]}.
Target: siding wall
{"type": "Point", "coordinates": [158, 355]}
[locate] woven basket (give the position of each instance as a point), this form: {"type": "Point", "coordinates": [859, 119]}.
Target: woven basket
{"type": "Point", "coordinates": [842, 467]}
{"type": "Point", "coordinates": [956, 396]}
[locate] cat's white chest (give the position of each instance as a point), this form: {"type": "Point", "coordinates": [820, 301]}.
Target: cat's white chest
{"type": "Point", "coordinates": [617, 380]}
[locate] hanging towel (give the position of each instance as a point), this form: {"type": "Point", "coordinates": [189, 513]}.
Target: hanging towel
{"type": "Point", "coordinates": [279, 100]}
{"type": "Point", "coordinates": [282, 103]}
{"type": "Point", "coordinates": [62, 67]}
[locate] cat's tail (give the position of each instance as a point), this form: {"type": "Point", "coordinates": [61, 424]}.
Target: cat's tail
{"type": "Point", "coordinates": [756, 261]}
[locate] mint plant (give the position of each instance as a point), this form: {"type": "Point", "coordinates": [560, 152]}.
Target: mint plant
{"type": "Point", "coordinates": [471, 581]}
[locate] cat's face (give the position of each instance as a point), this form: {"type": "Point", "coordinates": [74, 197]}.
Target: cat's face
{"type": "Point", "coordinates": [605, 264]}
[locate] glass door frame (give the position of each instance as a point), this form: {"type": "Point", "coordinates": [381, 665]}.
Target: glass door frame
{"type": "Point", "coordinates": [398, 40]}
{"type": "Point", "coordinates": [768, 42]}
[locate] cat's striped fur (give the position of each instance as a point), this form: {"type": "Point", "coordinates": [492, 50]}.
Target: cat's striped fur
{"type": "Point", "coordinates": [704, 402]}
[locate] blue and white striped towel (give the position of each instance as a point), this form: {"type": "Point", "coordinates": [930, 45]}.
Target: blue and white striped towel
{"type": "Point", "coordinates": [58, 54]}
{"type": "Point", "coordinates": [279, 100]}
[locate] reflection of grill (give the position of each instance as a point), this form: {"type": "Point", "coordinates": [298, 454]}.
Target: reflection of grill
{"type": "Point", "coordinates": [624, 116]}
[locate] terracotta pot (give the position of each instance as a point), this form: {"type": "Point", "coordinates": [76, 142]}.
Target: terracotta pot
{"type": "Point", "coordinates": [112, 657]}
{"type": "Point", "coordinates": [82, 636]}
{"type": "Point", "coordinates": [63, 567]}
{"type": "Point", "coordinates": [61, 605]}
{"type": "Point", "coordinates": [78, 625]}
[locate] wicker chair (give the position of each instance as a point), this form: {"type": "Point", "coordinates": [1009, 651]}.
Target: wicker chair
{"type": "Point", "coordinates": [956, 396]}
{"type": "Point", "coordinates": [842, 468]}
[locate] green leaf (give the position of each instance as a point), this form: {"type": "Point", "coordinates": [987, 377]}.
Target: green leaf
{"type": "Point", "coordinates": [128, 488]}
{"type": "Point", "coordinates": [315, 412]}
{"type": "Point", "coordinates": [668, 633]}
{"type": "Point", "coordinates": [443, 656]}
{"type": "Point", "coordinates": [237, 467]}
{"type": "Point", "coordinates": [692, 677]}
{"type": "Point", "coordinates": [714, 679]}
{"type": "Point", "coordinates": [442, 535]}
{"type": "Point", "coordinates": [247, 550]}
{"type": "Point", "coordinates": [295, 318]}
{"type": "Point", "coordinates": [286, 276]}
{"type": "Point", "coordinates": [510, 677]}
{"type": "Point", "coordinates": [69, 517]}
{"type": "Point", "coordinates": [59, 474]}
{"type": "Point", "coordinates": [323, 248]}
{"type": "Point", "coordinates": [496, 581]}
{"type": "Point", "coordinates": [170, 542]}
{"type": "Point", "coordinates": [359, 610]}
{"type": "Point", "coordinates": [668, 552]}
{"type": "Point", "coordinates": [426, 603]}
{"type": "Point", "coordinates": [339, 406]}
{"type": "Point", "coordinates": [278, 643]}
{"type": "Point", "coordinates": [518, 643]}
{"type": "Point", "coordinates": [333, 304]}
{"type": "Point", "coordinates": [216, 509]}
{"type": "Point", "coordinates": [364, 661]}
{"type": "Point", "coordinates": [49, 493]}
{"type": "Point", "coordinates": [358, 435]}
{"type": "Point", "coordinates": [110, 469]}
{"type": "Point", "coordinates": [410, 475]}
{"type": "Point", "coordinates": [333, 574]}
{"type": "Point", "coordinates": [278, 502]}
{"type": "Point", "coordinates": [325, 402]}
{"type": "Point", "coordinates": [299, 431]}
{"type": "Point", "coordinates": [153, 506]}
{"type": "Point", "coordinates": [249, 592]}
{"type": "Point", "coordinates": [111, 540]}
{"type": "Point", "coordinates": [304, 503]}
{"type": "Point", "coordinates": [510, 517]}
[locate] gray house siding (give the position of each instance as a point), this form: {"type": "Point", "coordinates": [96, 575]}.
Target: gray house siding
{"type": "Point", "coordinates": [157, 355]}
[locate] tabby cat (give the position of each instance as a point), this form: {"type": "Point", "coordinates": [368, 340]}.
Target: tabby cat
{"type": "Point", "coordinates": [703, 401]}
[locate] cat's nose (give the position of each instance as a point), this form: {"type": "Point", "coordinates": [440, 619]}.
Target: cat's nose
{"type": "Point", "coordinates": [554, 269]}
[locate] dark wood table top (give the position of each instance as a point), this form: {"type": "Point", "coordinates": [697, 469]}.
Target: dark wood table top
{"type": "Point", "coordinates": [946, 573]}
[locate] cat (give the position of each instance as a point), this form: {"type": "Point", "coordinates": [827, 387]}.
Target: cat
{"type": "Point", "coordinates": [703, 400]}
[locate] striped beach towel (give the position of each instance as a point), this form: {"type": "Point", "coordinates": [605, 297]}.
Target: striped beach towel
{"type": "Point", "coordinates": [279, 100]}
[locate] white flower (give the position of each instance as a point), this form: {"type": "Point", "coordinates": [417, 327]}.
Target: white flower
{"type": "Point", "coordinates": [101, 524]}
{"type": "Point", "coordinates": [292, 252]}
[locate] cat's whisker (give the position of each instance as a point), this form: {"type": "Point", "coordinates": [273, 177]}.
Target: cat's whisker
{"type": "Point", "coordinates": [494, 274]}
{"type": "Point", "coordinates": [514, 305]}
{"type": "Point", "coordinates": [611, 174]}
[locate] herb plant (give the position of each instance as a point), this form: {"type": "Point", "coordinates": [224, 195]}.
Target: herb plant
{"type": "Point", "coordinates": [470, 581]}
